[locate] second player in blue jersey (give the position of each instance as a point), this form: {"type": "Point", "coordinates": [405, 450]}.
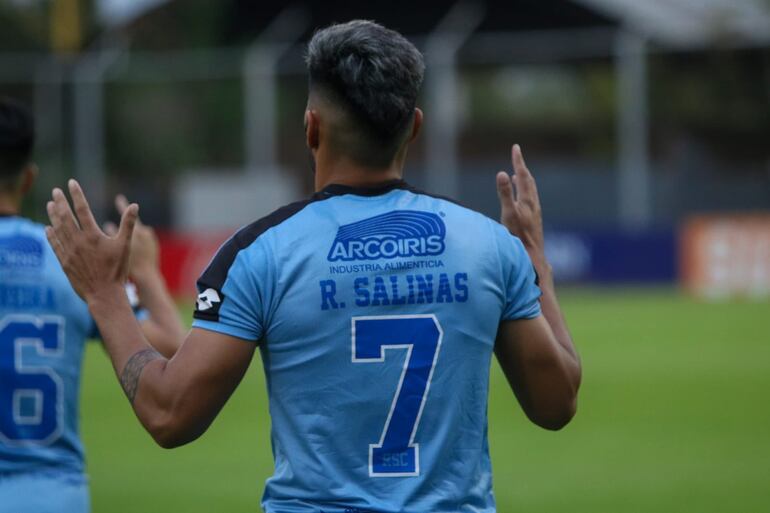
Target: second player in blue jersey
{"type": "Point", "coordinates": [43, 329]}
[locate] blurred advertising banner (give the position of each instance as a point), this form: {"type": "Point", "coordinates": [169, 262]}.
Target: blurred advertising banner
{"type": "Point", "coordinates": [612, 256]}
{"type": "Point", "coordinates": [726, 256]}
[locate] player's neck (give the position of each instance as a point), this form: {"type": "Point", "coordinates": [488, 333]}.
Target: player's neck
{"type": "Point", "coordinates": [9, 204]}
{"type": "Point", "coordinates": [353, 175]}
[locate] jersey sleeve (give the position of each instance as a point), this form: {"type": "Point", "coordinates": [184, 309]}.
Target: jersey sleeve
{"type": "Point", "coordinates": [522, 293]}
{"type": "Point", "coordinates": [230, 293]}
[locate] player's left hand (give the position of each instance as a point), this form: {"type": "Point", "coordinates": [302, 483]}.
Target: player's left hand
{"type": "Point", "coordinates": [144, 261]}
{"type": "Point", "coordinates": [93, 261]}
{"type": "Point", "coordinates": [520, 205]}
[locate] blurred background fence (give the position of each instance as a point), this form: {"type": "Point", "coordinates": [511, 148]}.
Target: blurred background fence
{"type": "Point", "coordinates": [634, 117]}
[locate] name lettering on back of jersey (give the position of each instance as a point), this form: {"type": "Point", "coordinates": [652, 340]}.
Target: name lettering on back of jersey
{"type": "Point", "coordinates": [401, 289]}
{"type": "Point", "coordinates": [26, 296]}
{"type": "Point", "coordinates": [397, 234]}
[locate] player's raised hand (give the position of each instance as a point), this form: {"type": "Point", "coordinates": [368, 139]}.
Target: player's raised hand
{"type": "Point", "coordinates": [520, 204]}
{"type": "Point", "coordinates": [145, 248]}
{"type": "Point", "coordinates": [92, 260]}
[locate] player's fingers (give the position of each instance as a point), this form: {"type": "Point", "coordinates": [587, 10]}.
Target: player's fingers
{"type": "Point", "coordinates": [62, 218]}
{"type": "Point", "coordinates": [50, 209]}
{"type": "Point", "coordinates": [517, 159]}
{"type": "Point", "coordinates": [121, 203]}
{"type": "Point", "coordinates": [50, 234]}
{"type": "Point", "coordinates": [527, 192]}
{"type": "Point", "coordinates": [519, 166]}
{"type": "Point", "coordinates": [56, 245]}
{"type": "Point", "coordinates": [504, 190]}
{"type": "Point", "coordinates": [110, 228]}
{"type": "Point", "coordinates": [82, 209]}
{"type": "Point", "coordinates": [526, 187]}
{"type": "Point", "coordinates": [50, 231]}
{"type": "Point", "coordinates": [127, 223]}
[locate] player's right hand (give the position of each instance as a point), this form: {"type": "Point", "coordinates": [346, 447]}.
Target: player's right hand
{"type": "Point", "coordinates": [520, 205]}
{"type": "Point", "coordinates": [145, 248]}
{"type": "Point", "coordinates": [94, 262]}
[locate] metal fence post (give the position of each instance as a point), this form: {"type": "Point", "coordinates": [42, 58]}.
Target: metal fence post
{"type": "Point", "coordinates": [88, 99]}
{"type": "Point", "coordinates": [442, 117]}
{"type": "Point", "coordinates": [261, 84]}
{"type": "Point", "coordinates": [634, 202]}
{"type": "Point", "coordinates": [49, 119]}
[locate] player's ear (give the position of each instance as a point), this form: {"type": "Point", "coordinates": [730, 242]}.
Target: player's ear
{"type": "Point", "coordinates": [312, 125]}
{"type": "Point", "coordinates": [28, 177]}
{"type": "Point", "coordinates": [417, 125]}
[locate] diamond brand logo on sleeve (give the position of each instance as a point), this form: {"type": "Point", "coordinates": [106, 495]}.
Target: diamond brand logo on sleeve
{"type": "Point", "coordinates": [208, 299]}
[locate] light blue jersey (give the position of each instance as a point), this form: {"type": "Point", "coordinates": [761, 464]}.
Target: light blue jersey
{"type": "Point", "coordinates": [44, 492]}
{"type": "Point", "coordinates": [376, 312]}
{"type": "Point", "coordinates": [43, 327]}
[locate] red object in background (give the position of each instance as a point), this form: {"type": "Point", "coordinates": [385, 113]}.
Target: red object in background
{"type": "Point", "coordinates": [184, 256]}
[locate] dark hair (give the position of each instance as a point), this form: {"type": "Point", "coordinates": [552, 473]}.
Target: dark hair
{"type": "Point", "coordinates": [17, 137]}
{"type": "Point", "coordinates": [375, 74]}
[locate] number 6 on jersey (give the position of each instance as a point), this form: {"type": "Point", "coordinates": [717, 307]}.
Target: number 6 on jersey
{"type": "Point", "coordinates": [396, 454]}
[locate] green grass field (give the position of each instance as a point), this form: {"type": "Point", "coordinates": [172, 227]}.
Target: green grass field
{"type": "Point", "coordinates": [674, 416]}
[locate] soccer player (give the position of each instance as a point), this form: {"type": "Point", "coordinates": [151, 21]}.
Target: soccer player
{"type": "Point", "coordinates": [43, 327]}
{"type": "Point", "coordinates": [376, 308]}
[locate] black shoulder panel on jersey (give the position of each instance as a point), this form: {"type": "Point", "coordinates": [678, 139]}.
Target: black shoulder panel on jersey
{"type": "Point", "coordinates": [216, 273]}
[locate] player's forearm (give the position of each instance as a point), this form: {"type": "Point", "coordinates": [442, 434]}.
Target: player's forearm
{"type": "Point", "coordinates": [164, 329]}
{"type": "Point", "coordinates": [553, 314]}
{"type": "Point", "coordinates": [137, 364]}
{"type": "Point", "coordinates": [172, 405]}
{"type": "Point", "coordinates": [121, 334]}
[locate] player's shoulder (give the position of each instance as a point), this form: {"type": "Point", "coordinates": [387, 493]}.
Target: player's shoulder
{"type": "Point", "coordinates": [470, 221]}
{"type": "Point", "coordinates": [476, 224]}
{"type": "Point", "coordinates": [23, 235]}
{"type": "Point", "coordinates": [23, 226]}
{"type": "Point", "coordinates": [248, 237]}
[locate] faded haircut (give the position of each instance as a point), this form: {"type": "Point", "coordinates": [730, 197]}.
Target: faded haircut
{"type": "Point", "coordinates": [374, 75]}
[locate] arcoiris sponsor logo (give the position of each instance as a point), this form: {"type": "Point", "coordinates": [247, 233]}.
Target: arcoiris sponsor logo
{"type": "Point", "coordinates": [401, 233]}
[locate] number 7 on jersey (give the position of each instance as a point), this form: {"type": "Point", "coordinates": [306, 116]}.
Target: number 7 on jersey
{"type": "Point", "coordinates": [396, 454]}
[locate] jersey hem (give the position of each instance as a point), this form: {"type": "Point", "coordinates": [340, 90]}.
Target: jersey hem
{"type": "Point", "coordinates": [530, 314]}
{"type": "Point", "coordinates": [218, 327]}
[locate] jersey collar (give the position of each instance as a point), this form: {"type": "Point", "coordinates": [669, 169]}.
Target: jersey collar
{"type": "Point", "coordinates": [336, 189]}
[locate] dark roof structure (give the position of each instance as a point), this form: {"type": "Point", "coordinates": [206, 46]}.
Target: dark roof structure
{"type": "Point", "coordinates": [673, 23]}
{"type": "Point", "coordinates": [238, 22]}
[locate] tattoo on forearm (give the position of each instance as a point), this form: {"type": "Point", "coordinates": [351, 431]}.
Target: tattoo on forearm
{"type": "Point", "coordinates": [129, 378]}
